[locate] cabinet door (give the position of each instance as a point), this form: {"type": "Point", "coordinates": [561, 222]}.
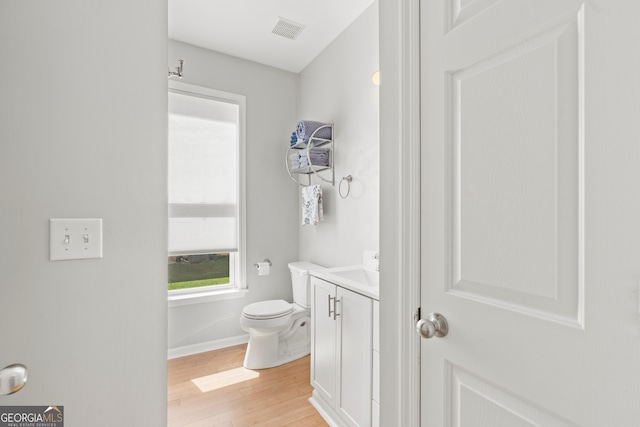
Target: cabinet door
{"type": "Point", "coordinates": [323, 339]}
{"type": "Point", "coordinates": [354, 357]}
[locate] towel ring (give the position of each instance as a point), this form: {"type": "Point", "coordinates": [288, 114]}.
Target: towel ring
{"type": "Point", "coordinates": [347, 178]}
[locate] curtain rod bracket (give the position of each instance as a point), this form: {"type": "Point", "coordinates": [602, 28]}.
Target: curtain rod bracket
{"type": "Point", "coordinates": [178, 70]}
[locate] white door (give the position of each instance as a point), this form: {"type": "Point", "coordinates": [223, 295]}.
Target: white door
{"type": "Point", "coordinates": [531, 212]}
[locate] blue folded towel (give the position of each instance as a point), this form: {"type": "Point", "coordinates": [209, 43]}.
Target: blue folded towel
{"type": "Point", "coordinates": [319, 162]}
{"type": "Point", "coordinates": [319, 156]}
{"type": "Point", "coordinates": [305, 129]}
{"type": "Point", "coordinates": [294, 138]}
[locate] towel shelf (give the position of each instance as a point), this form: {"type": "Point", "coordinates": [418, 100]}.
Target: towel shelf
{"type": "Point", "coordinates": [309, 169]}
{"type": "Point", "coordinates": [325, 173]}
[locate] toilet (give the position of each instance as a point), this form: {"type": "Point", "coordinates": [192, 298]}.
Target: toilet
{"type": "Point", "coordinates": [279, 331]}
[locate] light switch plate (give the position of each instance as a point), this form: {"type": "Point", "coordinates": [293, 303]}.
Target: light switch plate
{"type": "Point", "coordinates": [77, 238]}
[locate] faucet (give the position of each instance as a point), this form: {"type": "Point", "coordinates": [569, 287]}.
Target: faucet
{"type": "Point", "coordinates": [370, 260]}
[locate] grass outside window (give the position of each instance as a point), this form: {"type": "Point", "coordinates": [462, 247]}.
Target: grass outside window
{"type": "Point", "coordinates": [193, 271]}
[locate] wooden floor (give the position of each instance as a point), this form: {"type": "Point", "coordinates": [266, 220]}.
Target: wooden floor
{"type": "Point", "coordinates": [213, 389]}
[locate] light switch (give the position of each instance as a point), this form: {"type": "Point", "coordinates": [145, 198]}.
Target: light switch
{"type": "Point", "coordinates": [77, 238]}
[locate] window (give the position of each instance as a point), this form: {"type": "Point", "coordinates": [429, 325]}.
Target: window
{"type": "Point", "coordinates": [206, 190]}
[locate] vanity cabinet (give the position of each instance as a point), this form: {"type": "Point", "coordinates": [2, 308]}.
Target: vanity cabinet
{"type": "Point", "coordinates": [342, 354]}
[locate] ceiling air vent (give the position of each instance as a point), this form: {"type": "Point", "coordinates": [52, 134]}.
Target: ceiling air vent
{"type": "Point", "coordinates": [287, 28]}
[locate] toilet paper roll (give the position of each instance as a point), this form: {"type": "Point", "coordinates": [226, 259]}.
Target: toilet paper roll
{"type": "Point", "coordinates": [263, 268]}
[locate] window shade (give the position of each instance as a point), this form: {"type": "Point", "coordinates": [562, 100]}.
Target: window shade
{"type": "Point", "coordinates": [203, 175]}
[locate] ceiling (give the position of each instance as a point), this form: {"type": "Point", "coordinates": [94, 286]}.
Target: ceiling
{"type": "Point", "coordinates": [243, 28]}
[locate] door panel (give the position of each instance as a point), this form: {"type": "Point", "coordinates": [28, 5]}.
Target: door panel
{"type": "Point", "coordinates": [515, 198]}
{"type": "Point", "coordinates": [476, 401]}
{"type": "Point", "coordinates": [529, 212]}
{"type": "Point", "coordinates": [323, 339]}
{"type": "Point", "coordinates": [355, 331]}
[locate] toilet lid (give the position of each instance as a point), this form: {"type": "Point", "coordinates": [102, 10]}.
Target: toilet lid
{"type": "Point", "coordinates": [267, 309]}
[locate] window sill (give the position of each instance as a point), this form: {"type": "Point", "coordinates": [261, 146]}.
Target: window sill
{"type": "Point", "coordinates": [205, 296]}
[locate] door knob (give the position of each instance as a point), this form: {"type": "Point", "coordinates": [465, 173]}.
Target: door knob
{"type": "Point", "coordinates": [434, 325]}
{"type": "Point", "coordinates": [12, 378]}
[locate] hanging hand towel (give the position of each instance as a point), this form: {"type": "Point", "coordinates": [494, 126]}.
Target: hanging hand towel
{"type": "Point", "coordinates": [311, 205]}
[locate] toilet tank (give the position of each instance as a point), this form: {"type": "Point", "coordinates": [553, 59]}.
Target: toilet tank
{"type": "Point", "coordinates": [300, 281]}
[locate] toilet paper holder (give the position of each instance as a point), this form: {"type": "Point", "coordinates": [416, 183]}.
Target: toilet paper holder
{"type": "Point", "coordinates": [266, 260]}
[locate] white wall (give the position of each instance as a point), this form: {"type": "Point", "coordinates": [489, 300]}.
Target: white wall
{"type": "Point", "coordinates": [83, 115]}
{"type": "Point", "coordinates": [272, 204]}
{"type": "Point", "coordinates": [337, 87]}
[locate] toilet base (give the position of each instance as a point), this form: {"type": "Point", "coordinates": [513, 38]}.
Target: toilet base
{"type": "Point", "coordinates": [267, 350]}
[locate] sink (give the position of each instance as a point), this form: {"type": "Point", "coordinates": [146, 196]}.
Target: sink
{"type": "Point", "coordinates": [360, 275]}
{"type": "Point", "coordinates": [354, 277]}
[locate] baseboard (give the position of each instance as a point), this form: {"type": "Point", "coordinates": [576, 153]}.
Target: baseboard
{"type": "Point", "coordinates": [325, 410]}
{"type": "Point", "coordinates": [189, 350]}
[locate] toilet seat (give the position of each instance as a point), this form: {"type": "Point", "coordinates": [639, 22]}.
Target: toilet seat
{"type": "Point", "coordinates": [264, 310]}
